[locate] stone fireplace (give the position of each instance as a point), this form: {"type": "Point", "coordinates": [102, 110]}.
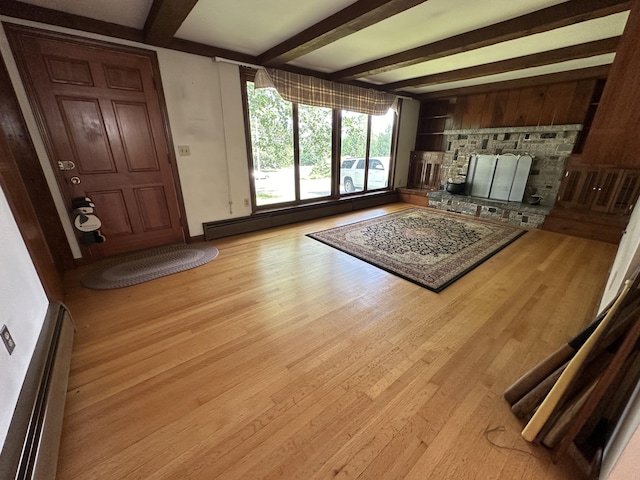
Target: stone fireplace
{"type": "Point", "coordinates": [549, 147]}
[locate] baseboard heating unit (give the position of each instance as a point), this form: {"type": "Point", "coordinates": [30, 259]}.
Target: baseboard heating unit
{"type": "Point", "coordinates": [33, 439]}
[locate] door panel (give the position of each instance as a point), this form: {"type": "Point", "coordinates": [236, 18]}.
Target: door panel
{"type": "Point", "coordinates": [136, 136]}
{"type": "Point", "coordinates": [154, 207]}
{"type": "Point", "coordinates": [112, 210]}
{"type": "Point", "coordinates": [64, 70]}
{"type": "Point", "coordinates": [100, 109]}
{"type": "Point", "coordinates": [87, 135]}
{"type": "Point", "coordinates": [123, 78]}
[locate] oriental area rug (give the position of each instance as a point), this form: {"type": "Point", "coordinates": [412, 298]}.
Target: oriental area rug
{"type": "Point", "coordinates": [148, 265]}
{"type": "Point", "coordinates": [424, 246]}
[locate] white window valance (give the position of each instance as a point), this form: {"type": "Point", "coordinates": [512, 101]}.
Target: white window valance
{"type": "Point", "coordinates": [313, 91]}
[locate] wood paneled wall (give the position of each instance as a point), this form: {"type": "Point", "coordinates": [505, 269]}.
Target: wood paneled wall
{"type": "Point", "coordinates": [24, 185]}
{"type": "Point", "coordinates": [555, 104]}
{"type": "Point", "coordinates": [614, 134]}
{"type": "Point", "coordinates": [608, 110]}
{"type": "Point", "coordinates": [558, 104]}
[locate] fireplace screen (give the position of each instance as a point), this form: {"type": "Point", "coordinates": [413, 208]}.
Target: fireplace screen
{"type": "Point", "coordinates": [498, 177]}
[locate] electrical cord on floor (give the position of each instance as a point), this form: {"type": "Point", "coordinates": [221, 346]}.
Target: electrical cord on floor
{"type": "Point", "coordinates": [488, 431]}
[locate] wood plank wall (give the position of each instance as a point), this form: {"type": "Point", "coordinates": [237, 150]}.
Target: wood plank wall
{"type": "Point", "coordinates": [20, 178]}
{"type": "Point", "coordinates": [612, 140]}
{"type": "Point", "coordinates": [555, 104]}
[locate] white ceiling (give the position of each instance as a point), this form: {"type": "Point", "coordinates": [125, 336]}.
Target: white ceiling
{"type": "Point", "coordinates": [426, 23]}
{"type": "Point", "coordinates": [605, 27]}
{"type": "Point", "coordinates": [130, 13]}
{"type": "Point", "coordinates": [252, 27]}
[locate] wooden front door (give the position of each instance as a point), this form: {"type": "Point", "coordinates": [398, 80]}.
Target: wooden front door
{"type": "Point", "coordinates": [101, 119]}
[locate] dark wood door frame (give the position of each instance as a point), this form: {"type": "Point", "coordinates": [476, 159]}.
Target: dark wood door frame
{"type": "Point", "coordinates": [13, 31]}
{"type": "Point", "coordinates": [25, 187]}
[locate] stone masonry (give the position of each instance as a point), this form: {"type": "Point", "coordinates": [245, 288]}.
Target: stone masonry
{"type": "Point", "coordinates": [519, 214]}
{"type": "Point", "coordinates": [550, 147]}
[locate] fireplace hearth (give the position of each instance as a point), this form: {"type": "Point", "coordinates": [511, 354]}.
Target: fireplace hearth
{"type": "Point", "coordinates": [548, 146]}
{"type": "Point", "coordinates": [544, 151]}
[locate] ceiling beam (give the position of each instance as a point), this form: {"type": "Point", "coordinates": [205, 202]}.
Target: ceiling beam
{"type": "Point", "coordinates": [574, 52]}
{"type": "Point", "coordinates": [351, 19]}
{"type": "Point", "coordinates": [12, 8]}
{"type": "Point", "coordinates": [165, 18]}
{"type": "Point", "coordinates": [561, 15]}
{"type": "Point", "coordinates": [570, 75]}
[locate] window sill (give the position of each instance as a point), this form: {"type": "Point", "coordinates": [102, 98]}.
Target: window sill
{"type": "Point", "coordinates": [275, 217]}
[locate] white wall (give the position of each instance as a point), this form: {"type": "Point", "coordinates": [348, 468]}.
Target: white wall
{"type": "Point", "coordinates": [626, 261]}
{"type": "Point", "coordinates": [202, 96]}
{"type": "Point", "coordinates": [23, 304]}
{"type": "Point", "coordinates": [204, 104]}
{"type": "Point", "coordinates": [620, 460]}
{"type": "Point", "coordinates": [406, 139]}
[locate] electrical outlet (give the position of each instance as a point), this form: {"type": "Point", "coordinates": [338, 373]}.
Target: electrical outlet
{"type": "Point", "coordinates": [184, 150]}
{"type": "Point", "coordinates": [7, 339]}
{"type": "Point", "coordinates": [246, 202]}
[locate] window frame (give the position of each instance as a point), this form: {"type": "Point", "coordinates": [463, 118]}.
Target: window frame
{"type": "Point", "coordinates": [247, 75]}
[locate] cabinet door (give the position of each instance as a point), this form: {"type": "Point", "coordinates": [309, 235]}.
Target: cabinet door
{"type": "Point", "coordinates": [432, 166]}
{"type": "Point", "coordinates": [416, 170]}
{"type": "Point", "coordinates": [578, 187]}
{"type": "Point", "coordinates": [627, 193]}
{"type": "Point", "coordinates": [605, 191]}
{"type": "Point", "coordinates": [424, 170]}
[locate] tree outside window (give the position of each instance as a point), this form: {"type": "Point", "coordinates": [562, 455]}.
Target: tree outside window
{"type": "Point", "coordinates": [293, 153]}
{"type": "Point", "coordinates": [366, 151]}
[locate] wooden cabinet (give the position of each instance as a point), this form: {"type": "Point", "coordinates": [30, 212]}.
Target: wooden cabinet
{"type": "Point", "coordinates": [627, 192]}
{"type": "Point", "coordinates": [424, 170]}
{"type": "Point", "coordinates": [595, 202]}
{"type": "Point", "coordinates": [606, 191]}
{"type": "Point", "coordinates": [599, 189]}
{"type": "Point", "coordinates": [581, 185]}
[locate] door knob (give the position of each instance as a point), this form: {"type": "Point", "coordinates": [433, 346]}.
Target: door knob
{"type": "Point", "coordinates": [75, 180]}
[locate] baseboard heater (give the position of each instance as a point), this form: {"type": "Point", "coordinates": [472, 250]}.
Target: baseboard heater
{"type": "Point", "coordinates": [33, 439]}
{"type": "Point", "coordinates": [277, 218]}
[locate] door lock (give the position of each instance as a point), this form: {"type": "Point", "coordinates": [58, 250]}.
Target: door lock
{"type": "Point", "coordinates": [75, 180]}
{"type": "Point", "coordinates": [66, 165]}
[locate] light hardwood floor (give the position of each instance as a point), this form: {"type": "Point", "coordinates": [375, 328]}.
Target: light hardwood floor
{"type": "Point", "coordinates": [285, 358]}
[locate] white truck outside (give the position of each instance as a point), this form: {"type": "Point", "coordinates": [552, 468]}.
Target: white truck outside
{"type": "Point", "coordinates": [352, 174]}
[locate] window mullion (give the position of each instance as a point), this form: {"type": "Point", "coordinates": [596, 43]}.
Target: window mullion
{"type": "Point", "coordinates": [367, 153]}
{"type": "Point", "coordinates": [336, 147]}
{"type": "Point", "coordinates": [296, 151]}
